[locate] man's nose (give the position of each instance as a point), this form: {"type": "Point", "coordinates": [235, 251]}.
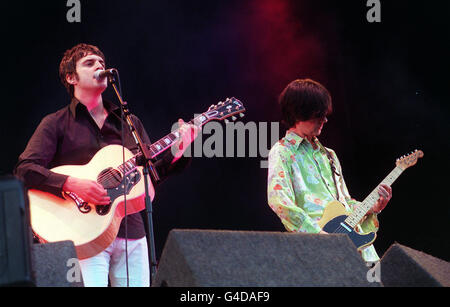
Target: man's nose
{"type": "Point", "coordinates": [99, 65]}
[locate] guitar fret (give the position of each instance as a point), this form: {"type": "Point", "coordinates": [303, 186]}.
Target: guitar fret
{"type": "Point", "coordinates": [172, 137]}
{"type": "Point", "coordinates": [128, 166]}
{"type": "Point", "coordinates": [152, 150]}
{"type": "Point", "coordinates": [155, 148]}
{"type": "Point", "coordinates": [164, 143]}
{"type": "Point", "coordinates": [200, 120]}
{"type": "Point", "coordinates": [161, 144]}
{"type": "Point", "coordinates": [167, 141]}
{"type": "Point", "coordinates": [230, 106]}
{"type": "Point", "coordinates": [371, 199]}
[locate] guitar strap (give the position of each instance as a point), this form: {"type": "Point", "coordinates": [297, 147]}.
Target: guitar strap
{"type": "Point", "coordinates": [334, 173]}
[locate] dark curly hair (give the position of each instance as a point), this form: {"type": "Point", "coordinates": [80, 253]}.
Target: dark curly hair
{"type": "Point", "coordinates": [69, 62]}
{"type": "Point", "coordinates": [302, 100]}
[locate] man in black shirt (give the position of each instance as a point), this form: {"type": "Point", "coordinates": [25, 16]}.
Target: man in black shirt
{"type": "Point", "coordinates": [72, 136]}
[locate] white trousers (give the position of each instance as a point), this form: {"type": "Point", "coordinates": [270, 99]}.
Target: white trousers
{"type": "Point", "coordinates": [112, 262]}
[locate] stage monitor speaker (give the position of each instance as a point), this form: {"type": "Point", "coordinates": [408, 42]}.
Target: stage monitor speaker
{"type": "Point", "coordinates": [402, 266]}
{"type": "Point", "coordinates": [56, 265]}
{"type": "Point", "coordinates": [215, 258]}
{"type": "Point", "coordinates": [15, 234]}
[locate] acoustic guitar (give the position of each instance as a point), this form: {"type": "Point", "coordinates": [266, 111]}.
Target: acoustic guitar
{"type": "Point", "coordinates": [93, 227]}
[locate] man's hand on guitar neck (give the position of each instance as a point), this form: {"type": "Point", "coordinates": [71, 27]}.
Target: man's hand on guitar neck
{"type": "Point", "coordinates": [88, 190]}
{"type": "Point", "coordinates": [188, 133]}
{"type": "Point", "coordinates": [385, 193]}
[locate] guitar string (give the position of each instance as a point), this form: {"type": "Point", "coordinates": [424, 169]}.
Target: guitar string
{"type": "Point", "coordinates": [110, 174]}
{"type": "Point", "coordinates": [391, 178]}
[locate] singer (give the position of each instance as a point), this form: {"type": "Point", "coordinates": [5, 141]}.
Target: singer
{"type": "Point", "coordinates": [72, 136]}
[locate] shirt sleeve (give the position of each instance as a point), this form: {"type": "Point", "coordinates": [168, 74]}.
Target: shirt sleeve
{"type": "Point", "coordinates": [281, 196]}
{"type": "Point", "coordinates": [33, 164]}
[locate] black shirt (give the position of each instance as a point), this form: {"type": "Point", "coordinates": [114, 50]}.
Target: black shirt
{"type": "Point", "coordinates": [70, 136]}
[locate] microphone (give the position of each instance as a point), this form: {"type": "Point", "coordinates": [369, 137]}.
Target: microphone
{"type": "Point", "coordinates": [102, 74]}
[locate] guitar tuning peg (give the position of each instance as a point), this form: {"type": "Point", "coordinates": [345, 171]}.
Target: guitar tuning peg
{"type": "Point", "coordinates": [241, 115]}
{"type": "Point", "coordinates": [220, 103]}
{"type": "Point", "coordinates": [233, 118]}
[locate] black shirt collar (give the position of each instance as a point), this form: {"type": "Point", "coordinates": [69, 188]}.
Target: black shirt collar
{"type": "Point", "coordinates": [76, 105]}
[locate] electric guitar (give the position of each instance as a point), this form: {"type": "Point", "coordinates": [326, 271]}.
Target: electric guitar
{"type": "Point", "coordinates": [335, 218]}
{"type": "Point", "coordinates": [93, 227]}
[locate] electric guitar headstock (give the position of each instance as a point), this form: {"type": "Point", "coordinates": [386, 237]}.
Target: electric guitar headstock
{"type": "Point", "coordinates": [409, 160]}
{"type": "Point", "coordinates": [225, 110]}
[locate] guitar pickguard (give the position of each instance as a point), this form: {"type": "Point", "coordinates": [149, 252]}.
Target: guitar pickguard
{"type": "Point", "coordinates": [338, 225]}
{"type": "Point", "coordinates": [124, 187]}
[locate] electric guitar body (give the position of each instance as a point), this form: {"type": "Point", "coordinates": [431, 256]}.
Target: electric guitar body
{"type": "Point", "coordinates": [333, 221]}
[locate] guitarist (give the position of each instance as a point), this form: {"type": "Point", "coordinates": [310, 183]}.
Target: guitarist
{"type": "Point", "coordinates": [73, 135]}
{"type": "Point", "coordinates": [303, 175]}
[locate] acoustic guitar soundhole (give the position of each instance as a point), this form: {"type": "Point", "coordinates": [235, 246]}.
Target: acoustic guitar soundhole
{"type": "Point", "coordinates": [109, 178]}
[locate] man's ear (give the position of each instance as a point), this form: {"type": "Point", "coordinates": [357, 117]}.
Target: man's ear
{"type": "Point", "coordinates": [72, 78]}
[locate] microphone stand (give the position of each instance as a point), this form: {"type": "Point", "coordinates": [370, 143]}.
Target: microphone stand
{"type": "Point", "coordinates": [148, 167]}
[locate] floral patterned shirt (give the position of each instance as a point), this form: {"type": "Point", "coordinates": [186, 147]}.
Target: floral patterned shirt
{"type": "Point", "coordinates": [300, 185]}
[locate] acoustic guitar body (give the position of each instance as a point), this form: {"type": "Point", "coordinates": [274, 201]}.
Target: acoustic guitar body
{"type": "Point", "coordinates": [92, 228]}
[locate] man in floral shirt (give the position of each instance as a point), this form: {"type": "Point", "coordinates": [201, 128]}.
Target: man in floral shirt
{"type": "Point", "coordinates": [304, 176]}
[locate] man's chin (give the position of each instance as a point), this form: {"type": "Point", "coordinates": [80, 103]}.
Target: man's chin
{"type": "Point", "coordinates": [101, 87]}
{"type": "Point", "coordinates": [319, 131]}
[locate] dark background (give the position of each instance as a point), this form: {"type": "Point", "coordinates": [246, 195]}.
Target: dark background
{"type": "Point", "coordinates": [389, 83]}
